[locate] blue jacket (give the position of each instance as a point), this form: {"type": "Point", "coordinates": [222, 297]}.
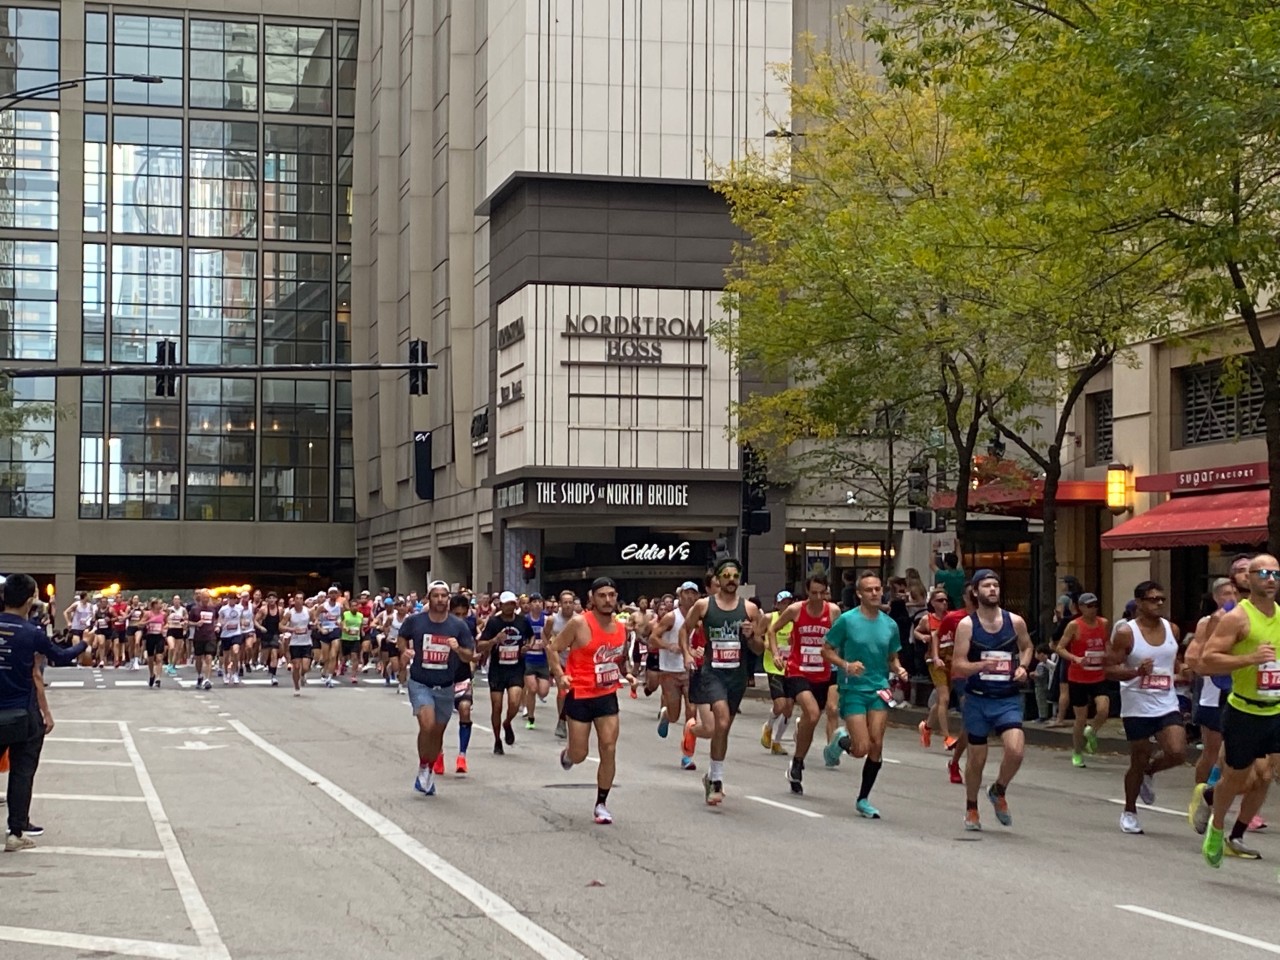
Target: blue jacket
{"type": "Point", "coordinates": [19, 644]}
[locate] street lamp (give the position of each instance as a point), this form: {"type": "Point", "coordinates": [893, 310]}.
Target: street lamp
{"type": "Point", "coordinates": [13, 99]}
{"type": "Point", "coordinates": [1117, 488]}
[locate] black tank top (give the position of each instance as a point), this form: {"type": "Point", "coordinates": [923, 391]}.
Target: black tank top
{"type": "Point", "coordinates": [271, 624]}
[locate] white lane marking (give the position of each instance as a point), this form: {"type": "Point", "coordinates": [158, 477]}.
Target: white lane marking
{"type": "Point", "coordinates": [224, 715]}
{"type": "Point", "coordinates": [198, 913]}
{"type": "Point", "coordinates": [1201, 928]}
{"type": "Point", "coordinates": [121, 853]}
{"type": "Point", "coordinates": [130, 683]}
{"type": "Point", "coordinates": [786, 806]}
{"type": "Point", "coordinates": [1143, 806]}
{"type": "Point", "coordinates": [87, 763]}
{"type": "Point", "coordinates": [80, 740]}
{"type": "Point", "coordinates": [104, 945]}
{"type": "Point", "coordinates": [86, 797]}
{"type": "Point", "coordinates": [113, 723]}
{"type": "Point", "coordinates": [887, 760]}
{"type": "Point", "coordinates": [57, 684]}
{"type": "Point", "coordinates": [538, 939]}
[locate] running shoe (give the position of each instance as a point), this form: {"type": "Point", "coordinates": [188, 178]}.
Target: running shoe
{"type": "Point", "coordinates": [1212, 846]}
{"type": "Point", "coordinates": [778, 750]}
{"type": "Point", "coordinates": [13, 844]}
{"type": "Point", "coordinates": [529, 724]}
{"type": "Point", "coordinates": [523, 711]}
{"type": "Point", "coordinates": [1238, 848]}
{"type": "Point", "coordinates": [686, 763]}
{"type": "Point", "coordinates": [1147, 792]}
{"type": "Point", "coordinates": [950, 742]}
{"type": "Point", "coordinates": [602, 814]}
{"type": "Point", "coordinates": [1195, 806]}
{"type": "Point", "coordinates": [713, 790]}
{"type": "Point", "coordinates": [664, 724]}
{"type": "Point", "coordinates": [831, 752]}
{"type": "Point", "coordinates": [972, 822]}
{"type": "Point", "coordinates": [461, 766]}
{"type": "Point", "coordinates": [865, 809]}
{"type": "Point", "coordinates": [1002, 807]}
{"type": "Point", "coordinates": [766, 735]}
{"type": "Point", "coordinates": [1077, 760]}
{"type": "Point", "coordinates": [438, 767]}
{"type": "Point", "coordinates": [1129, 822]}
{"type": "Point", "coordinates": [207, 684]}
{"type": "Point", "coordinates": [1257, 823]}
{"type": "Point", "coordinates": [297, 693]}
{"type": "Point", "coordinates": [235, 679]}
{"type": "Point", "coordinates": [953, 768]}
{"type": "Point", "coordinates": [329, 682]}
{"type": "Point", "coordinates": [151, 681]}
{"type": "Point", "coordinates": [598, 806]}
{"type": "Point", "coordinates": [926, 735]}
{"type": "Point", "coordinates": [31, 830]}
{"type": "Point", "coordinates": [688, 742]}
{"type": "Point", "coordinates": [425, 781]}
{"type": "Point", "coordinates": [497, 748]}
{"type": "Point", "coordinates": [275, 681]}
{"type": "Point", "coordinates": [400, 691]}
{"type": "Point", "coordinates": [355, 681]}
{"type": "Point", "coordinates": [565, 762]}
{"type": "Point", "coordinates": [157, 680]}
{"type": "Point", "coordinates": [562, 729]}
{"type": "Point", "coordinates": [1090, 740]}
{"type": "Point", "coordinates": [508, 734]}
{"type": "Point", "coordinates": [795, 774]}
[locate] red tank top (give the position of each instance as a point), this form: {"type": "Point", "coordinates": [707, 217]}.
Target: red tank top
{"type": "Point", "coordinates": [594, 670]}
{"type": "Point", "coordinates": [1090, 643]}
{"type": "Point", "coordinates": [807, 637]}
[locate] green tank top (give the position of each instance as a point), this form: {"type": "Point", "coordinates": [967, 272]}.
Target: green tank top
{"type": "Point", "coordinates": [784, 646]}
{"type": "Point", "coordinates": [723, 629]}
{"type": "Point", "coordinates": [352, 621]}
{"type": "Point", "coordinates": [1259, 683]}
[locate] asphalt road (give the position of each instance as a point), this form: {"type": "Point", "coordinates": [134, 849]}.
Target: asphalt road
{"type": "Point", "coordinates": [245, 823]}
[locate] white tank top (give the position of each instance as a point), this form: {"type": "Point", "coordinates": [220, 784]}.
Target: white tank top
{"type": "Point", "coordinates": [299, 626]}
{"type": "Point", "coordinates": [669, 662]}
{"type": "Point", "coordinates": [393, 626]}
{"type": "Point", "coordinates": [1152, 695]}
{"type": "Point", "coordinates": [81, 615]}
{"type": "Point", "coordinates": [330, 614]}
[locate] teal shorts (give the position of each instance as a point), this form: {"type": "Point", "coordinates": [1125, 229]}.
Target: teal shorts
{"type": "Point", "coordinates": [859, 702]}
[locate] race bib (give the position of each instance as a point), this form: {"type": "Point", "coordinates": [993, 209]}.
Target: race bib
{"type": "Point", "coordinates": [509, 653]}
{"type": "Point", "coordinates": [607, 675]}
{"type": "Point", "coordinates": [155, 628]}
{"type": "Point", "coordinates": [1093, 659]}
{"type": "Point", "coordinates": [102, 624]}
{"type": "Point", "coordinates": [461, 688]}
{"type": "Point", "coordinates": [1160, 682]}
{"type": "Point", "coordinates": [1269, 680]}
{"type": "Point", "coordinates": [1000, 669]}
{"type": "Point", "coordinates": [811, 660]}
{"type": "Point", "coordinates": [947, 642]}
{"type": "Point", "coordinates": [726, 654]}
{"type": "Point", "coordinates": [206, 616]}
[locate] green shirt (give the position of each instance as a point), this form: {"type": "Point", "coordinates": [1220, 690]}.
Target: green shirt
{"type": "Point", "coordinates": [952, 581]}
{"type": "Point", "coordinates": [1259, 683]}
{"type": "Point", "coordinates": [870, 640]}
{"type": "Point", "coordinates": [352, 621]}
{"type": "Point", "coordinates": [784, 646]}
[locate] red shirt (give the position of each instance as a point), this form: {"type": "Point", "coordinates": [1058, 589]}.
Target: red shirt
{"type": "Point", "coordinates": [807, 638]}
{"type": "Point", "coordinates": [1090, 643]}
{"type": "Point", "coordinates": [947, 633]}
{"type": "Point", "coordinates": [594, 670]}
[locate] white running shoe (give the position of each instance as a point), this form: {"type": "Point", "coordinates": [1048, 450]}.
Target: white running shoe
{"type": "Point", "coordinates": [602, 814]}
{"type": "Point", "coordinates": [1147, 792]}
{"type": "Point", "coordinates": [1129, 822]}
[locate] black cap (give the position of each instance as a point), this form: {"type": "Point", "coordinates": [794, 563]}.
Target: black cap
{"type": "Point", "coordinates": [534, 596]}
{"type": "Point", "coordinates": [601, 582]}
{"type": "Point", "coordinates": [986, 573]}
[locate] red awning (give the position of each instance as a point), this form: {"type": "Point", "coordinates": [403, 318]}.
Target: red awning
{"type": "Point", "coordinates": [1025, 497]}
{"type": "Point", "coordinates": [1237, 516]}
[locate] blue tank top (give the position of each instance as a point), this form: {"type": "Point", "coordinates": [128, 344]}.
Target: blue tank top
{"type": "Point", "coordinates": [537, 654]}
{"type": "Point", "coordinates": [1001, 647]}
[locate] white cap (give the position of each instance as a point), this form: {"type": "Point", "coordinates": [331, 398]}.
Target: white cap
{"type": "Point", "coordinates": [507, 597]}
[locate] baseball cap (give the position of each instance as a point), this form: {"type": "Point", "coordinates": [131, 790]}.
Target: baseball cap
{"type": "Point", "coordinates": [534, 596]}
{"type": "Point", "coordinates": [783, 595]}
{"type": "Point", "coordinates": [1087, 600]}
{"type": "Point", "coordinates": [986, 573]}
{"type": "Point", "coordinates": [437, 585]}
{"type": "Point", "coordinates": [507, 597]}
{"type": "Point", "coordinates": [690, 585]}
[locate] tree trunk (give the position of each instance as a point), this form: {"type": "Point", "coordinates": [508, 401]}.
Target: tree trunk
{"type": "Point", "coordinates": [964, 477]}
{"type": "Point", "coordinates": [1049, 545]}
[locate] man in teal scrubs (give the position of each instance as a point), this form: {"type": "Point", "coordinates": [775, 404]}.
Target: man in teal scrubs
{"type": "Point", "coordinates": [863, 646]}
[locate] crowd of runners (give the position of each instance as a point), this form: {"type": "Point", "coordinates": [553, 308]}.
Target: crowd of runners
{"type": "Point", "coordinates": [695, 650]}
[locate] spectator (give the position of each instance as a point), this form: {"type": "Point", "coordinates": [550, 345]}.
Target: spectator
{"type": "Point", "coordinates": [24, 718]}
{"type": "Point", "coordinates": [1045, 665]}
{"type": "Point", "coordinates": [951, 579]}
{"type": "Point", "coordinates": [849, 592]}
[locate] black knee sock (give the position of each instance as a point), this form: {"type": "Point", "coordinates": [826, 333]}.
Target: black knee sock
{"type": "Point", "coordinates": [602, 796]}
{"type": "Point", "coordinates": [272, 669]}
{"type": "Point", "coordinates": [1237, 831]}
{"type": "Point", "coordinates": [870, 770]}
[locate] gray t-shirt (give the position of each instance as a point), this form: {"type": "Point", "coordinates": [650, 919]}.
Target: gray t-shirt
{"type": "Point", "coordinates": [434, 663]}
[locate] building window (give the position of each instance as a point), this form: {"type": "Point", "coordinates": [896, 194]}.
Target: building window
{"type": "Point", "coordinates": [1099, 425]}
{"type": "Point", "coordinates": [93, 304]}
{"type": "Point", "coordinates": [222, 306]}
{"type": "Point", "coordinates": [142, 452]}
{"type": "Point", "coordinates": [93, 452]}
{"type": "Point", "coordinates": [26, 455]}
{"type": "Point", "coordinates": [146, 175]}
{"type": "Point", "coordinates": [223, 185]}
{"type": "Point", "coordinates": [297, 295]}
{"type": "Point", "coordinates": [343, 316]}
{"type": "Point", "coordinates": [146, 300]}
{"type": "Point", "coordinates": [347, 51]}
{"type": "Point", "coordinates": [344, 488]}
{"type": "Point", "coordinates": [297, 70]}
{"type": "Point", "coordinates": [28, 49]}
{"type": "Point", "coordinates": [29, 169]}
{"type": "Point", "coordinates": [95, 173]}
{"type": "Point", "coordinates": [28, 300]}
{"type": "Point", "coordinates": [296, 451]}
{"type": "Point", "coordinates": [95, 55]}
{"type": "Point", "coordinates": [1217, 406]}
{"type": "Point", "coordinates": [221, 444]}
{"type": "Point", "coordinates": [149, 45]}
{"type": "Point", "coordinates": [297, 182]}
{"type": "Point", "coordinates": [346, 137]}
{"type": "Point", "coordinates": [224, 65]}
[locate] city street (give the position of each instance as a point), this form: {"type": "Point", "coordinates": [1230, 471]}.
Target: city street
{"type": "Point", "coordinates": [246, 823]}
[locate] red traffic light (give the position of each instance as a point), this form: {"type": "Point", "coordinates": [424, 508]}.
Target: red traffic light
{"type": "Point", "coordinates": [528, 561]}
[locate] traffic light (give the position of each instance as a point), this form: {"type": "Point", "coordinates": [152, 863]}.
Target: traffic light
{"type": "Point", "coordinates": [418, 377]}
{"type": "Point", "coordinates": [918, 486]}
{"type": "Point", "coordinates": [756, 518]}
{"type": "Point", "coordinates": [166, 356]}
{"type": "Point", "coordinates": [529, 565]}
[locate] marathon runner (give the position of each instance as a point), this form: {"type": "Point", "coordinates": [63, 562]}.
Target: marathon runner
{"type": "Point", "coordinates": [153, 631]}
{"type": "Point", "coordinates": [176, 632]}
{"type": "Point", "coordinates": [596, 647]}
{"type": "Point", "coordinates": [439, 643]}
{"type": "Point", "coordinates": [1244, 644]}
{"type": "Point", "coordinates": [863, 645]}
{"type": "Point", "coordinates": [941, 651]}
{"type": "Point", "coordinates": [779, 640]}
{"type": "Point", "coordinates": [204, 641]}
{"type": "Point", "coordinates": [296, 624]}
{"type": "Point", "coordinates": [993, 651]}
{"type": "Point", "coordinates": [506, 637]}
{"type": "Point", "coordinates": [229, 640]}
{"type": "Point", "coordinates": [1143, 656]}
{"type": "Point", "coordinates": [352, 635]}
{"type": "Point", "coordinates": [268, 621]}
{"type": "Point", "coordinates": [559, 620]}
{"type": "Point", "coordinates": [1084, 647]}
{"type": "Point", "coordinates": [537, 675]}
{"type": "Point", "coordinates": [808, 681]}
{"type": "Point", "coordinates": [328, 616]}
{"type": "Point", "coordinates": [671, 673]}
{"type": "Point", "coordinates": [463, 695]}
{"type": "Point", "coordinates": [718, 684]}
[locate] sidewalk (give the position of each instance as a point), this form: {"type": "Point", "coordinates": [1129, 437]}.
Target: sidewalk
{"type": "Point", "coordinates": [1112, 739]}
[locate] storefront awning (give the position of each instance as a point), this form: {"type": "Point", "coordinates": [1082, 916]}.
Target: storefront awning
{"type": "Point", "coordinates": [1025, 499]}
{"type": "Point", "coordinates": [1236, 516]}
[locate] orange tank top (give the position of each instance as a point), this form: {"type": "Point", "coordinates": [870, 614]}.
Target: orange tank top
{"type": "Point", "coordinates": [595, 669]}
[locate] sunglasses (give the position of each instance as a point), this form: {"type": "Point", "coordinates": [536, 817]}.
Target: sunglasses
{"type": "Point", "coordinates": [1268, 574]}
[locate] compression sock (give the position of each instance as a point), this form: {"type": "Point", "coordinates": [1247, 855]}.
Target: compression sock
{"type": "Point", "coordinates": [602, 795]}
{"type": "Point", "coordinates": [464, 737]}
{"type": "Point", "coordinates": [870, 770]}
{"type": "Point", "coordinates": [1237, 831]}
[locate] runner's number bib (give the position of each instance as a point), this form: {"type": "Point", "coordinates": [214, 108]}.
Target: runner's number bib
{"type": "Point", "coordinates": [726, 654]}
{"type": "Point", "coordinates": [1160, 682]}
{"type": "Point", "coordinates": [999, 667]}
{"type": "Point", "coordinates": [435, 653]}
{"type": "Point", "coordinates": [1269, 680]}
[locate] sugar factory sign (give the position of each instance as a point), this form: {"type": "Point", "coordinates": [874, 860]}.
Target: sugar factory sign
{"type": "Point", "coordinates": [630, 341]}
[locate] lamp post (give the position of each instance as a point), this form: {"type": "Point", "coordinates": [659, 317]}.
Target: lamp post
{"type": "Point", "coordinates": [31, 93]}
